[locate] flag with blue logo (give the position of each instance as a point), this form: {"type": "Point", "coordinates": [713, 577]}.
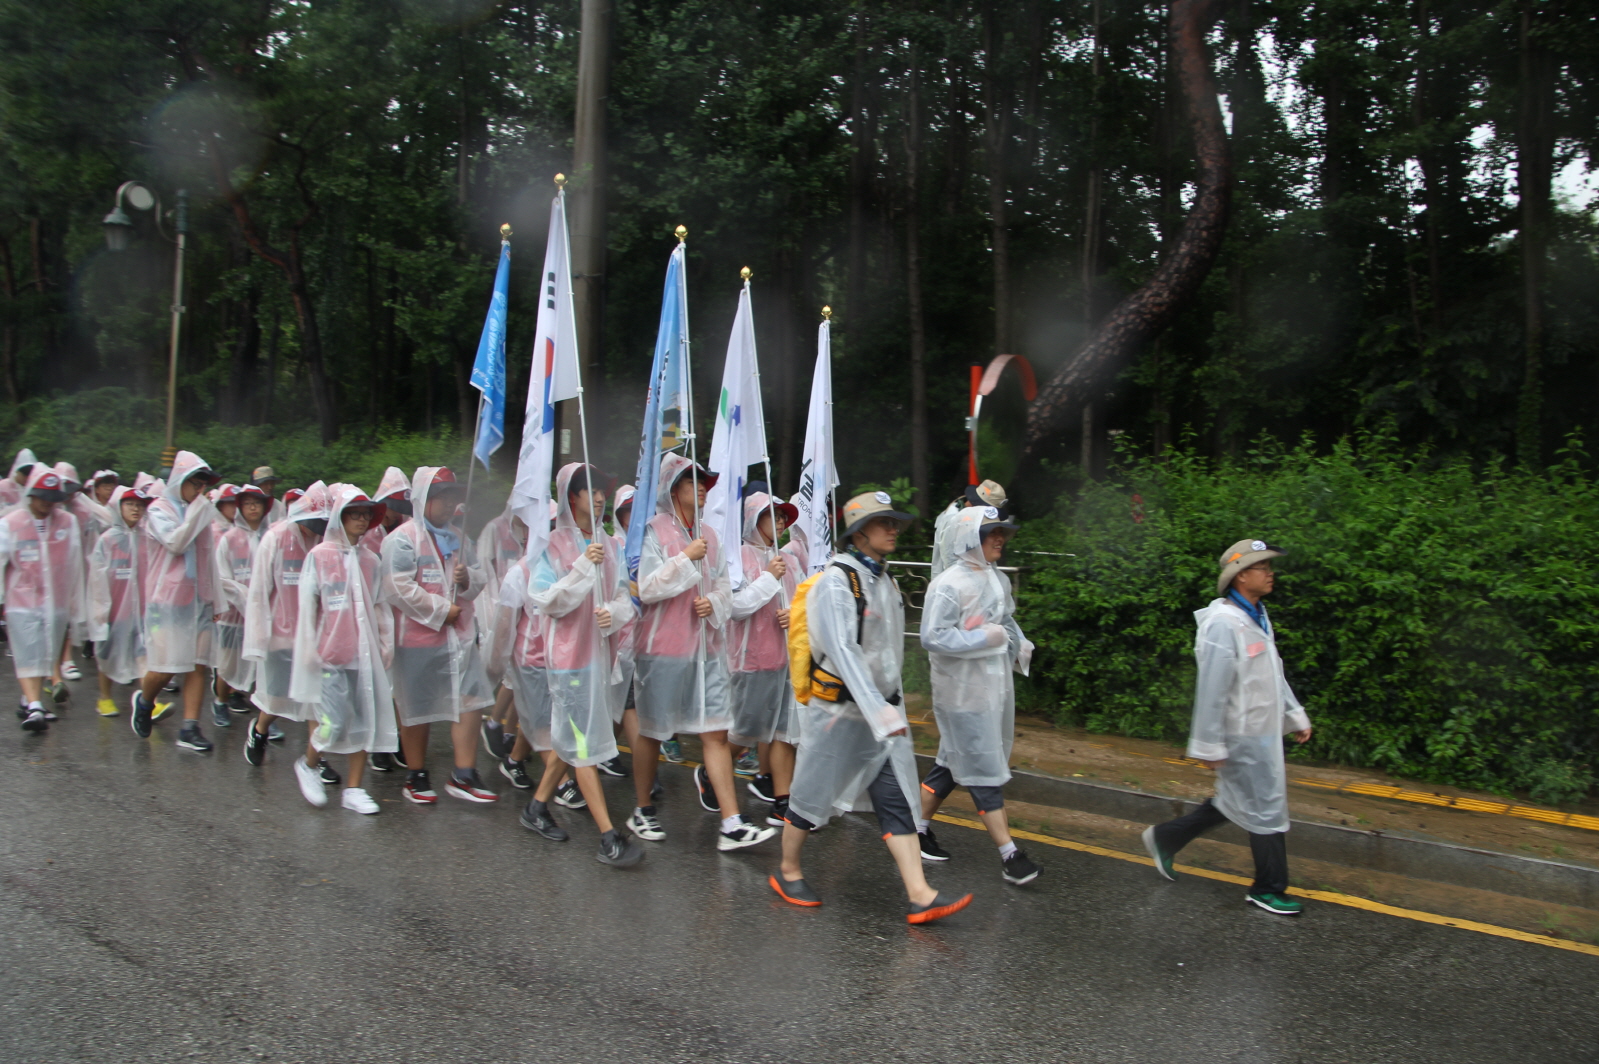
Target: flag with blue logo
{"type": "Point", "coordinates": [552, 377]}
{"type": "Point", "coordinates": [488, 369]}
{"type": "Point", "coordinates": [665, 407]}
{"type": "Point", "coordinates": [740, 437]}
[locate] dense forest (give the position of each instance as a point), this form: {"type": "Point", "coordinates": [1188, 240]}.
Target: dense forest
{"type": "Point", "coordinates": [1410, 244]}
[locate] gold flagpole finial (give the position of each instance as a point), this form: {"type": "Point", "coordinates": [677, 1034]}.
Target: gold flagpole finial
{"type": "Point", "coordinates": [745, 274]}
{"type": "Point", "coordinates": [681, 233]}
{"type": "Point", "coordinates": [827, 313]}
{"type": "Point", "coordinates": [560, 181]}
{"type": "Point", "coordinates": [505, 231]}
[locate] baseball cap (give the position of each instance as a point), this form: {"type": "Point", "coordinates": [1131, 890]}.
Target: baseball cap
{"type": "Point", "coordinates": [862, 508]}
{"type": "Point", "coordinates": [48, 486]}
{"type": "Point", "coordinates": [263, 474]}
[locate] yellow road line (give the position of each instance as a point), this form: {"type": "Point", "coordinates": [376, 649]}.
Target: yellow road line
{"type": "Point", "coordinates": [1474, 805]}
{"type": "Point", "coordinates": [1331, 897]}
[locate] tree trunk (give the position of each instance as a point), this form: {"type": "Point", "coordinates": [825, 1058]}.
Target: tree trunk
{"type": "Point", "coordinates": [8, 352]}
{"type": "Point", "coordinates": [859, 175]}
{"type": "Point", "coordinates": [997, 115]}
{"type": "Point", "coordinates": [588, 187]}
{"type": "Point", "coordinates": [1535, 145]}
{"type": "Point", "coordinates": [920, 481]}
{"type": "Point", "coordinates": [1146, 311]}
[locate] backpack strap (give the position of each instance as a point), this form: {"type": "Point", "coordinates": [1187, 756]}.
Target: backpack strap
{"type": "Point", "coordinates": [854, 578]}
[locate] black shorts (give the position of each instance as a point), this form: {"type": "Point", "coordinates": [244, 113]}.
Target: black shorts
{"type": "Point", "coordinates": [893, 812]}
{"type": "Point", "coordinates": [940, 782]}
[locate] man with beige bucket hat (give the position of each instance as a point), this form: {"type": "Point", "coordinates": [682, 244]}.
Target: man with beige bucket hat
{"type": "Point", "coordinates": [1243, 707]}
{"type": "Point", "coordinates": [988, 493]}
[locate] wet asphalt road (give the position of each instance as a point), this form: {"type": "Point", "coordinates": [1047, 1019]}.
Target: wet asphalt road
{"type": "Point", "coordinates": [156, 904]}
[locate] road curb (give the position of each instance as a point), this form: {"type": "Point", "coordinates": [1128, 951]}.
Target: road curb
{"type": "Point", "coordinates": [1440, 862]}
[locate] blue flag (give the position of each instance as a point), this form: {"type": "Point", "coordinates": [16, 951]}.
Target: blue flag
{"type": "Point", "coordinates": [665, 407]}
{"type": "Point", "coordinates": [488, 369]}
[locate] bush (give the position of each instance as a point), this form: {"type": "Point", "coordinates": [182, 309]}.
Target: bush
{"type": "Point", "coordinates": [1438, 621]}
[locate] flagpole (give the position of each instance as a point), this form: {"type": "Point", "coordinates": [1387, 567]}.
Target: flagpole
{"type": "Point", "coordinates": [771, 502]}
{"type": "Point", "coordinates": [693, 457]}
{"type": "Point", "coordinates": [832, 500]}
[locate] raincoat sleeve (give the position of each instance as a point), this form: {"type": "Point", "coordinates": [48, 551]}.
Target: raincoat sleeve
{"type": "Point", "coordinates": [830, 614]}
{"type": "Point", "coordinates": [305, 674]}
{"type": "Point", "coordinates": [78, 627]}
{"type": "Point", "coordinates": [257, 602]}
{"type": "Point", "coordinates": [620, 604]}
{"type": "Point", "coordinates": [100, 589]}
{"type": "Point", "coordinates": [1021, 648]}
{"type": "Point", "coordinates": [944, 628]}
{"type": "Point", "coordinates": [398, 586]}
{"type": "Point", "coordinates": [753, 595]}
{"type": "Point", "coordinates": [1216, 654]}
{"type": "Point", "coordinates": [507, 604]}
{"type": "Point", "coordinates": [1294, 717]}
{"type": "Point", "coordinates": [477, 576]}
{"type": "Point", "coordinates": [97, 511]}
{"type": "Point", "coordinates": [661, 577]}
{"type": "Point", "coordinates": [178, 534]}
{"type": "Point", "coordinates": [8, 547]}
{"type": "Point", "coordinates": [232, 591]}
{"type": "Point", "coordinates": [557, 597]}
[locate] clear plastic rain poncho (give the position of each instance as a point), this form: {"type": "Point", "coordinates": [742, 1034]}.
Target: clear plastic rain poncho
{"type": "Point", "coordinates": [1243, 707]}
{"type": "Point", "coordinates": [580, 659]}
{"type": "Point", "coordinates": [671, 642]}
{"type": "Point", "coordinates": [499, 547]}
{"type": "Point", "coordinates": [344, 641]}
{"type": "Point", "coordinates": [235, 561]}
{"type": "Point", "coordinates": [757, 646]}
{"type": "Point", "coordinates": [116, 606]}
{"type": "Point", "coordinates": [625, 638]}
{"type": "Point", "coordinates": [844, 745]}
{"type": "Point", "coordinates": [10, 490]}
{"type": "Point", "coordinates": [93, 518]}
{"type": "Point", "coordinates": [182, 594]}
{"type": "Point", "coordinates": [943, 556]}
{"type": "Point", "coordinates": [517, 656]}
{"type": "Point", "coordinates": [42, 583]}
{"type": "Point", "coordinates": [798, 547]}
{"type": "Point", "coordinates": [438, 667]}
{"type": "Point", "coordinates": [395, 485]}
{"type": "Point", "coordinates": [272, 604]}
{"type": "Point", "coordinates": [972, 641]}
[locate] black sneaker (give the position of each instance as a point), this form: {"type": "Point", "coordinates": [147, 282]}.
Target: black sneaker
{"type": "Point", "coordinates": [190, 738]}
{"type": "Point", "coordinates": [140, 719]}
{"type": "Point", "coordinates": [255, 745]}
{"type": "Point", "coordinates": [931, 850]}
{"type": "Point", "coordinates": [567, 796]}
{"type": "Point", "coordinates": [327, 774]}
{"type": "Point", "coordinates": [219, 715]}
{"type": "Point", "coordinates": [702, 783]}
{"type": "Point", "coordinates": [33, 720]}
{"type": "Point", "coordinates": [536, 817]}
{"type": "Point", "coordinates": [239, 702]}
{"type": "Point", "coordinates": [761, 787]}
{"type": "Point", "coordinates": [778, 816]}
{"type": "Point", "coordinates": [613, 768]}
{"type": "Point", "coordinates": [1018, 869]}
{"type": "Point", "coordinates": [494, 739]}
{"type": "Point", "coordinates": [381, 762]}
{"type": "Point", "coordinates": [619, 850]}
{"type": "Point", "coordinates": [275, 734]}
{"type": "Point", "coordinates": [516, 772]}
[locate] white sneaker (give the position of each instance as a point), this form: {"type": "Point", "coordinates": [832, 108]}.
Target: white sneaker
{"type": "Point", "coordinates": [358, 800]}
{"type": "Point", "coordinates": [70, 671]}
{"type": "Point", "coordinates": [310, 777]}
{"type": "Point", "coordinates": [746, 834]}
{"type": "Point", "coordinates": [645, 827]}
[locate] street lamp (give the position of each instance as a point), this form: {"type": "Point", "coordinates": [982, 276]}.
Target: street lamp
{"type": "Point", "coordinates": [118, 234]}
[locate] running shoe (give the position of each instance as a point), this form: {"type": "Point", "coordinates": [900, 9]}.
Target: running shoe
{"type": "Point", "coordinates": [106, 708]}
{"type": "Point", "coordinates": [163, 710]}
{"type": "Point", "coordinates": [643, 824]}
{"type": "Point", "coordinates": [470, 789]}
{"type": "Point", "coordinates": [327, 773]}
{"type": "Point", "coordinates": [657, 790]}
{"type": "Point", "coordinates": [931, 850]}
{"type": "Point", "coordinates": [778, 815]}
{"type": "Point", "coordinates": [618, 850]}
{"type": "Point", "coordinates": [255, 745]}
{"type": "Point", "coordinates": [613, 768]}
{"type": "Point", "coordinates": [672, 750]}
{"type": "Point", "coordinates": [743, 834]}
{"type": "Point", "coordinates": [1018, 869]}
{"type": "Point", "coordinates": [219, 715]}
{"type": "Point", "coordinates": [761, 787]}
{"type": "Point", "coordinates": [702, 783]}
{"type": "Point", "coordinates": [381, 762]}
{"type": "Point", "coordinates": [516, 772]}
{"type": "Point", "coordinates": [794, 891]}
{"type": "Point", "coordinates": [1275, 903]}
{"type": "Point", "coordinates": [142, 716]}
{"type": "Point", "coordinates": [49, 712]}
{"type": "Point", "coordinates": [275, 734]}
{"type": "Point", "coordinates": [1163, 861]}
{"type": "Point", "coordinates": [941, 906]}
{"type": "Point", "coordinates": [536, 817]}
{"type": "Point", "coordinates": [419, 789]}
{"type": "Point", "coordinates": [33, 720]}
{"type": "Point", "coordinates": [190, 738]}
{"type": "Point", "coordinates": [747, 765]}
{"type": "Point", "coordinates": [358, 801]}
{"type": "Point", "coordinates": [567, 796]}
{"type": "Point", "coordinates": [239, 702]}
{"type": "Point", "coordinates": [59, 692]}
{"type": "Point", "coordinates": [494, 739]}
{"type": "Point", "coordinates": [70, 671]}
{"type": "Point", "coordinates": [310, 781]}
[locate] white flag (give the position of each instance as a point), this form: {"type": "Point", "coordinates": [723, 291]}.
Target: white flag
{"type": "Point", "coordinates": [552, 378]}
{"type": "Point", "coordinates": [818, 476]}
{"type": "Point", "coordinates": [740, 437]}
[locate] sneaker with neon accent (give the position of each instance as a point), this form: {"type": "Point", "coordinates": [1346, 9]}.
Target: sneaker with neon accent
{"type": "Point", "coordinates": [106, 708]}
{"type": "Point", "coordinates": [163, 710]}
{"type": "Point", "coordinates": [941, 906]}
{"type": "Point", "coordinates": [1275, 903]}
{"type": "Point", "coordinates": [702, 783]}
{"type": "Point", "coordinates": [1163, 861]}
{"type": "Point", "coordinates": [794, 891]}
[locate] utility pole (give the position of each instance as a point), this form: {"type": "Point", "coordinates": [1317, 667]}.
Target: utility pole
{"type": "Point", "coordinates": [587, 219]}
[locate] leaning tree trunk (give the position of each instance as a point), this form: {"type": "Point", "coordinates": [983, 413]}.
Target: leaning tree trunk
{"type": "Point", "coordinates": [1147, 311]}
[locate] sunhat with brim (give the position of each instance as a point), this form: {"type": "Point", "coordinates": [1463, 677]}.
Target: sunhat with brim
{"type": "Point", "coordinates": [863, 508]}
{"type": "Point", "coordinates": [994, 521]}
{"type": "Point", "coordinates": [988, 493]}
{"type": "Point", "coordinates": [1241, 556]}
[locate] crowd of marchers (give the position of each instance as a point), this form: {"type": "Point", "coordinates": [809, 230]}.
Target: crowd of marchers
{"type": "Point", "coordinates": [371, 617]}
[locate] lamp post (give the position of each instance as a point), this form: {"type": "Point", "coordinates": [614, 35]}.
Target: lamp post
{"type": "Point", "coordinates": [118, 234]}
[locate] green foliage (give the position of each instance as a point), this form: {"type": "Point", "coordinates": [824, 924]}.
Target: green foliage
{"type": "Point", "coordinates": [1438, 620]}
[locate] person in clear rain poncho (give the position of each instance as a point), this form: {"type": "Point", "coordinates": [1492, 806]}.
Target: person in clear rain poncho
{"type": "Point", "coordinates": [579, 587]}
{"type": "Point", "coordinates": [972, 641]}
{"type": "Point", "coordinates": [182, 597]}
{"type": "Point", "coordinates": [271, 614]}
{"type": "Point", "coordinates": [431, 578]}
{"type": "Point", "coordinates": [12, 487]}
{"type": "Point", "coordinates": [516, 659]}
{"type": "Point", "coordinates": [856, 735]}
{"type": "Point", "coordinates": [500, 545]}
{"type": "Point", "coordinates": [681, 652]}
{"type": "Point", "coordinates": [116, 596]}
{"type": "Point", "coordinates": [1243, 707]}
{"type": "Point", "coordinates": [235, 674]}
{"type": "Point", "coordinates": [757, 645]}
{"type": "Point", "coordinates": [41, 580]}
{"type": "Point", "coordinates": [988, 493]}
{"type": "Point", "coordinates": [623, 711]}
{"type": "Point", "coordinates": [93, 519]}
{"type": "Point", "coordinates": [343, 644]}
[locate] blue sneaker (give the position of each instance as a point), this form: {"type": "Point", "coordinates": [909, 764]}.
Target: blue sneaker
{"type": "Point", "coordinates": [672, 750]}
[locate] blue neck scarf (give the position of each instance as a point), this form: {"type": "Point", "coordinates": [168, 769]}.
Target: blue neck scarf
{"type": "Point", "coordinates": [873, 566]}
{"type": "Point", "coordinates": [1256, 611]}
{"type": "Point", "coordinates": [448, 539]}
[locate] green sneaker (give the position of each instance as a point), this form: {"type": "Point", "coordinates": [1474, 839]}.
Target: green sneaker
{"type": "Point", "coordinates": [1276, 903]}
{"type": "Point", "coordinates": [672, 750]}
{"type": "Point", "coordinates": [1163, 863]}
